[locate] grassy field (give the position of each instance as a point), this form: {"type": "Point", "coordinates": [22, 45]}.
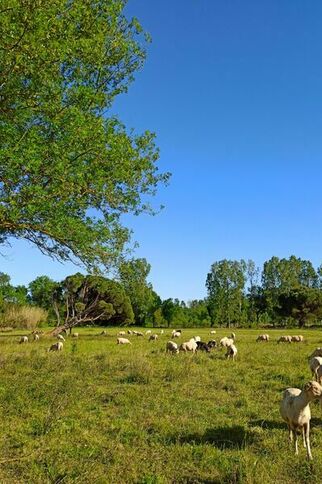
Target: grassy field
{"type": "Point", "coordinates": [102, 413]}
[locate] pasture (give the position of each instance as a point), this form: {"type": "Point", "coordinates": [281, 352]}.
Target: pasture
{"type": "Point", "coordinates": [104, 413]}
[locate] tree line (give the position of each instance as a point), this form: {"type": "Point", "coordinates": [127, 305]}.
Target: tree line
{"type": "Point", "coordinates": [286, 292]}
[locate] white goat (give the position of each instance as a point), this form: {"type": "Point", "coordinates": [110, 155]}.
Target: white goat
{"type": "Point", "coordinates": [295, 410]}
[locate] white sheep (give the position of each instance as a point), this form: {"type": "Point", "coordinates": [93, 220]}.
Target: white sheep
{"type": "Point", "coordinates": [189, 346]}
{"type": "Point", "coordinates": [75, 335]}
{"type": "Point", "coordinates": [129, 331]}
{"type": "Point", "coordinates": [297, 339]}
{"type": "Point", "coordinates": [123, 341]}
{"type": "Point", "coordinates": [172, 347]}
{"type": "Point", "coordinates": [314, 364]}
{"type": "Point", "coordinates": [56, 346]}
{"type": "Point", "coordinates": [197, 338]}
{"type": "Point", "coordinates": [263, 337]}
{"type": "Point", "coordinates": [295, 410]}
{"type": "Point", "coordinates": [121, 333]}
{"type": "Point", "coordinates": [285, 339]}
{"type": "Point", "coordinates": [176, 334]}
{"type": "Point", "coordinates": [231, 352]}
{"type": "Point", "coordinates": [23, 339]}
{"type": "Point", "coordinates": [161, 332]}
{"type": "Point", "coordinates": [153, 337]}
{"type": "Point", "coordinates": [60, 337]}
{"type": "Point", "coordinates": [36, 337]}
{"type": "Point", "coordinates": [213, 331]}
{"type": "Point", "coordinates": [226, 342]}
{"type": "Point", "coordinates": [148, 332]}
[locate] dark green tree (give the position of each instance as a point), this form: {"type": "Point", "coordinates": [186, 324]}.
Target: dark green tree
{"type": "Point", "coordinates": [302, 304]}
{"type": "Point", "coordinates": [67, 170]}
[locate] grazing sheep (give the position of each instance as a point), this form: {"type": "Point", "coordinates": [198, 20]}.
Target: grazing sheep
{"type": "Point", "coordinates": [129, 331]}
{"type": "Point", "coordinates": [56, 346]}
{"type": "Point", "coordinates": [295, 410]}
{"type": "Point", "coordinates": [226, 342]}
{"type": "Point", "coordinates": [231, 352]}
{"type": "Point", "coordinates": [138, 333]}
{"type": "Point", "coordinates": [103, 333]}
{"type": "Point", "coordinates": [153, 337]}
{"type": "Point", "coordinates": [36, 337]}
{"type": "Point", "coordinates": [213, 331]}
{"type": "Point", "coordinates": [161, 332]}
{"type": "Point", "coordinates": [212, 343]}
{"type": "Point", "coordinates": [314, 364]}
{"type": "Point", "coordinates": [121, 333]}
{"type": "Point", "coordinates": [197, 338]}
{"type": "Point", "coordinates": [203, 346]}
{"type": "Point", "coordinates": [316, 352]}
{"type": "Point", "coordinates": [172, 347]}
{"type": "Point", "coordinates": [75, 335]}
{"type": "Point", "coordinates": [285, 339]}
{"type": "Point", "coordinates": [60, 337]}
{"type": "Point", "coordinates": [23, 339]}
{"type": "Point", "coordinates": [148, 332]}
{"type": "Point", "coordinates": [176, 334]}
{"type": "Point", "coordinates": [189, 346]}
{"type": "Point", "coordinates": [297, 339]}
{"type": "Point", "coordinates": [263, 337]}
{"type": "Point", "coordinates": [123, 341]}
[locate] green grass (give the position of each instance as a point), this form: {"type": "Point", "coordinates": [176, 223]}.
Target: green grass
{"type": "Point", "coordinates": [102, 413]}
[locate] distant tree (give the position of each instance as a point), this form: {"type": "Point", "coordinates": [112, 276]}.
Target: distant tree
{"type": "Point", "coordinates": [95, 299]}
{"type": "Point", "coordinates": [42, 291]}
{"type": "Point", "coordinates": [133, 275]}
{"type": "Point", "coordinates": [225, 285]}
{"type": "Point", "coordinates": [68, 171]}
{"type": "Point", "coordinates": [198, 313]}
{"type": "Point", "coordinates": [303, 304]}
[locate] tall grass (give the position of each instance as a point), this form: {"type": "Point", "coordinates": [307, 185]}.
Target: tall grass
{"type": "Point", "coordinates": [24, 317]}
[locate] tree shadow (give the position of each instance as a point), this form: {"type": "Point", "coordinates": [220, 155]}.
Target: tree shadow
{"type": "Point", "coordinates": [220, 437]}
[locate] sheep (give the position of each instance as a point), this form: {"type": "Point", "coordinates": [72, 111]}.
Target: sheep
{"type": "Point", "coordinates": [297, 339]}
{"type": "Point", "coordinates": [176, 334]}
{"type": "Point", "coordinates": [231, 352]}
{"type": "Point", "coordinates": [263, 337]}
{"type": "Point", "coordinates": [213, 331]}
{"type": "Point", "coordinates": [75, 335]}
{"type": "Point", "coordinates": [36, 337]}
{"type": "Point", "coordinates": [295, 410]}
{"type": "Point", "coordinates": [123, 341]}
{"type": "Point", "coordinates": [23, 339]}
{"type": "Point", "coordinates": [226, 342]}
{"type": "Point", "coordinates": [203, 346]}
{"type": "Point", "coordinates": [316, 352]}
{"type": "Point", "coordinates": [175, 331]}
{"type": "Point", "coordinates": [153, 337]}
{"type": "Point", "coordinates": [212, 343]}
{"type": "Point", "coordinates": [189, 346]}
{"type": "Point", "coordinates": [103, 333]}
{"type": "Point", "coordinates": [121, 333]}
{"type": "Point", "coordinates": [56, 346]}
{"type": "Point", "coordinates": [161, 332]}
{"type": "Point", "coordinates": [172, 347]}
{"type": "Point", "coordinates": [285, 339]}
{"type": "Point", "coordinates": [60, 337]}
{"type": "Point", "coordinates": [314, 364]}
{"type": "Point", "coordinates": [138, 333]}
{"type": "Point", "coordinates": [129, 331]}
{"type": "Point", "coordinates": [148, 332]}
{"type": "Point", "coordinates": [197, 338]}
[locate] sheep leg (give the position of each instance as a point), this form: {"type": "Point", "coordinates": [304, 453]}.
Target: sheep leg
{"type": "Point", "coordinates": [304, 437]}
{"type": "Point", "coordinates": [296, 444]}
{"type": "Point", "coordinates": [307, 438]}
{"type": "Point", "coordinates": [290, 434]}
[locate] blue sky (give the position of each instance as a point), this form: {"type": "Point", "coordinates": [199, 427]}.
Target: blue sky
{"type": "Point", "coordinates": [233, 91]}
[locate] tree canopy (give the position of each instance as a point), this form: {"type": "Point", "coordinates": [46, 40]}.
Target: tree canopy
{"type": "Point", "coordinates": [68, 171]}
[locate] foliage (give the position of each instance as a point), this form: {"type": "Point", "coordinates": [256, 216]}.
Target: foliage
{"type": "Point", "coordinates": [24, 317]}
{"type": "Point", "coordinates": [67, 171]}
{"type": "Point", "coordinates": [303, 304]}
{"type": "Point", "coordinates": [90, 299]}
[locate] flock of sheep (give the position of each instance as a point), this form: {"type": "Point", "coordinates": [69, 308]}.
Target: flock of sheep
{"type": "Point", "coordinates": [295, 404]}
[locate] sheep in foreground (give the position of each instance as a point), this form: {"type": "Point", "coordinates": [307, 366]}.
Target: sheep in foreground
{"type": "Point", "coordinates": [23, 339]}
{"type": "Point", "coordinates": [153, 337]}
{"type": "Point", "coordinates": [231, 352]}
{"type": "Point", "coordinates": [263, 337]}
{"type": "Point", "coordinates": [123, 341]}
{"type": "Point", "coordinates": [226, 341]}
{"type": "Point", "coordinates": [316, 352]}
{"type": "Point", "coordinates": [197, 338]}
{"type": "Point", "coordinates": [314, 364]}
{"type": "Point", "coordinates": [56, 346]}
{"type": "Point", "coordinates": [295, 410]}
{"type": "Point", "coordinates": [285, 339]}
{"type": "Point", "coordinates": [60, 337]}
{"type": "Point", "coordinates": [189, 346]}
{"type": "Point", "coordinates": [172, 347]}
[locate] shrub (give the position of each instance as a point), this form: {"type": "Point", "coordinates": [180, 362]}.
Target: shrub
{"type": "Point", "coordinates": [27, 317]}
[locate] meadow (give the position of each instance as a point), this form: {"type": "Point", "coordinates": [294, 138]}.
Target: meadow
{"type": "Point", "coordinates": [102, 413]}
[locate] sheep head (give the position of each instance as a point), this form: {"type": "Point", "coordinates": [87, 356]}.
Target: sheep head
{"type": "Point", "coordinates": [314, 388]}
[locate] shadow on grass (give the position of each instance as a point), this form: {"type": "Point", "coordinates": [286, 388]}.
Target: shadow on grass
{"type": "Point", "coordinates": [221, 437]}
{"type": "Point", "coordinates": [268, 424]}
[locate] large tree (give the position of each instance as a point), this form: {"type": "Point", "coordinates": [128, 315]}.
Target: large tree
{"type": "Point", "coordinates": [68, 171]}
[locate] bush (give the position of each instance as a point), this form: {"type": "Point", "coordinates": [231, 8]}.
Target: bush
{"type": "Point", "coordinates": [27, 317]}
